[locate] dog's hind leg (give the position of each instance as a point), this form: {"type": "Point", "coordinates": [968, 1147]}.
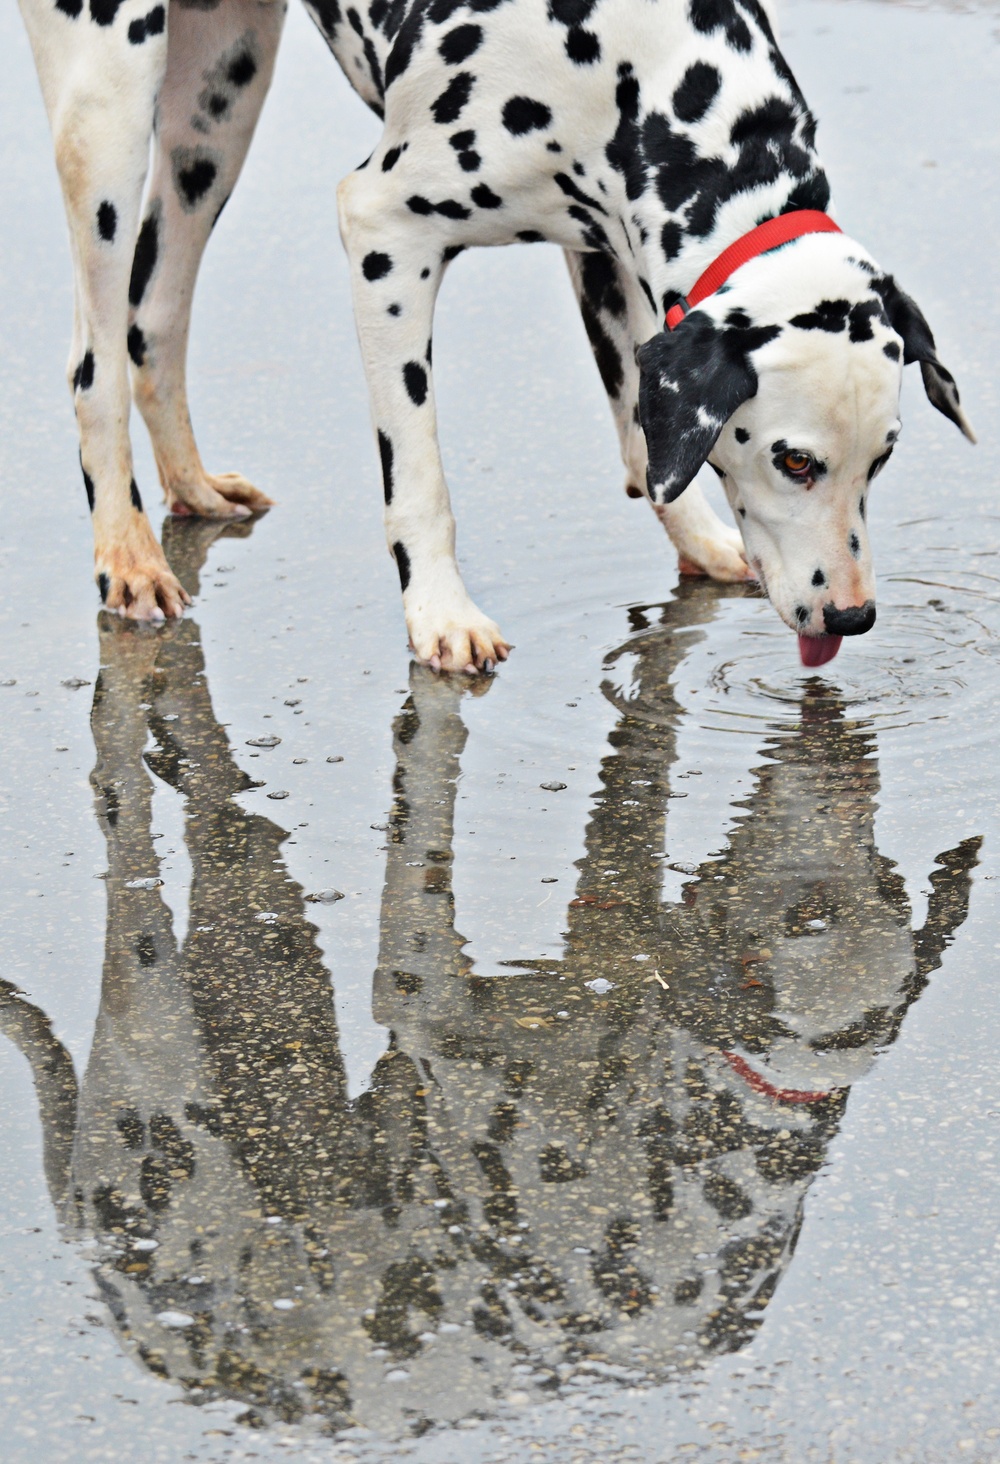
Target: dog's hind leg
{"type": "Point", "coordinates": [618, 318]}
{"type": "Point", "coordinates": [218, 73]}
{"type": "Point", "coordinates": [397, 247]}
{"type": "Point", "coordinates": [100, 70]}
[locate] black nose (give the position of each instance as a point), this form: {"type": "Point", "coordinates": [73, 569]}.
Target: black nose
{"type": "Point", "coordinates": [855, 620]}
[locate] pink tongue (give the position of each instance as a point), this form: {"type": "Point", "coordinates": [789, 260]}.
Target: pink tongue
{"type": "Point", "coordinates": [816, 650]}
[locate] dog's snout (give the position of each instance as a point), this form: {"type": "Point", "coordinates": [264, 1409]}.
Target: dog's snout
{"type": "Point", "coordinates": [854, 620]}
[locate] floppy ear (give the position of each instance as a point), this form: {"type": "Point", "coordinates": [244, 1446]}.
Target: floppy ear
{"type": "Point", "coordinates": [907, 320]}
{"type": "Point", "coordinates": [692, 379]}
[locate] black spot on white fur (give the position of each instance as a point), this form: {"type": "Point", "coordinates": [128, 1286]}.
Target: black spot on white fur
{"type": "Point", "coordinates": [459, 44]}
{"type": "Point", "coordinates": [697, 91]}
{"type": "Point", "coordinates": [107, 221]}
{"type": "Point", "coordinates": [468, 159]}
{"type": "Point", "coordinates": [448, 208]}
{"type": "Point", "coordinates": [385, 457]}
{"type": "Point", "coordinates": [146, 251]}
{"type": "Point", "coordinates": [88, 484]}
{"type": "Point", "coordinates": [375, 266]}
{"type": "Point", "coordinates": [522, 115]}
{"type": "Point", "coordinates": [449, 104]}
{"type": "Point", "coordinates": [103, 12]}
{"type": "Point", "coordinates": [83, 376]}
{"type": "Point", "coordinates": [195, 170]}
{"type": "Point", "coordinates": [402, 564]}
{"type": "Point", "coordinates": [484, 197]}
{"type": "Point", "coordinates": [136, 345]}
{"type": "Point", "coordinates": [153, 24]}
{"type": "Point", "coordinates": [415, 380]}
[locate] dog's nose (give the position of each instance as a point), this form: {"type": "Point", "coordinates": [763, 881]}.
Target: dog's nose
{"type": "Point", "coordinates": [855, 620]}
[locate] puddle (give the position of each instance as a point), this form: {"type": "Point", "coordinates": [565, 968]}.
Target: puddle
{"type": "Point", "coordinates": [596, 1063]}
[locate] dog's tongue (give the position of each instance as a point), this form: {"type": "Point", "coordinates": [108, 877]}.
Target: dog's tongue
{"type": "Point", "coordinates": [816, 650]}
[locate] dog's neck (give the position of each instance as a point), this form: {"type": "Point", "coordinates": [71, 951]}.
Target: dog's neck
{"type": "Point", "coordinates": [692, 201]}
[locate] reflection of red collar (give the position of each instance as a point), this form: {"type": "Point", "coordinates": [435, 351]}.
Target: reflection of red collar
{"type": "Point", "coordinates": [753, 1080]}
{"type": "Point", "coordinates": [768, 235]}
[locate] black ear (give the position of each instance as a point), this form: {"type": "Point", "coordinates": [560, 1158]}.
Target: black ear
{"type": "Point", "coordinates": [907, 320]}
{"type": "Point", "coordinates": [692, 379]}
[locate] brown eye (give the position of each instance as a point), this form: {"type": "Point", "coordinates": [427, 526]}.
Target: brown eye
{"type": "Point", "coordinates": [798, 464]}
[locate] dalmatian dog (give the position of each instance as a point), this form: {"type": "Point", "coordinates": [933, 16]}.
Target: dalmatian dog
{"type": "Point", "coordinates": [652, 142]}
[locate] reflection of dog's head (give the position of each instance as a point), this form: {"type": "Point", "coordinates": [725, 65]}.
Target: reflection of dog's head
{"type": "Point", "coordinates": [787, 382]}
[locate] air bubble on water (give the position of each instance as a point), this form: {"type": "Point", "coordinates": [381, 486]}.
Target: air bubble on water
{"type": "Point", "coordinates": [74, 682]}
{"type": "Point", "coordinates": [266, 917]}
{"type": "Point", "coordinates": [682, 868]}
{"type": "Point", "coordinates": [298, 761]}
{"type": "Point", "coordinates": [324, 897]}
{"type": "Point", "coordinates": [335, 759]}
{"type": "Point", "coordinates": [293, 701]}
{"type": "Point", "coordinates": [143, 884]}
{"type": "Point", "coordinates": [174, 1318]}
{"type": "Point", "coordinates": [599, 985]}
{"type": "Point", "coordinates": [269, 741]}
{"type": "Point", "coordinates": [279, 793]}
{"type": "Point", "coordinates": [283, 1303]}
{"type": "Point", "coordinates": [552, 787]}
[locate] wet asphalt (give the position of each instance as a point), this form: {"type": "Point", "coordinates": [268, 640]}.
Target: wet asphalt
{"type": "Point", "coordinates": [597, 1063]}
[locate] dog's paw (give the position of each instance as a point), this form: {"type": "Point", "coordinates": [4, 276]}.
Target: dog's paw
{"type": "Point", "coordinates": [134, 577]}
{"type": "Point", "coordinates": [721, 558]}
{"type": "Point", "coordinates": [705, 545]}
{"type": "Point", "coordinates": [216, 496]}
{"type": "Point", "coordinates": [458, 637]}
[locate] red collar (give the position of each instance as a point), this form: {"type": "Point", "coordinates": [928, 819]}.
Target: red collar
{"type": "Point", "coordinates": [768, 235]}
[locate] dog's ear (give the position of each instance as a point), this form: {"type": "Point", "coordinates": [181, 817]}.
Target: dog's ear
{"type": "Point", "coordinates": [907, 320]}
{"type": "Point", "coordinates": [692, 379]}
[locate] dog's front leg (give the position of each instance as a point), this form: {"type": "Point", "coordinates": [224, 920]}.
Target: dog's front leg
{"type": "Point", "coordinates": [396, 257]}
{"type": "Point", "coordinates": [99, 79]}
{"type": "Point", "coordinates": [218, 73]}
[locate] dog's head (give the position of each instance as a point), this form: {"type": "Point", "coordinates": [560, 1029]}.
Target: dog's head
{"type": "Point", "coordinates": [787, 382]}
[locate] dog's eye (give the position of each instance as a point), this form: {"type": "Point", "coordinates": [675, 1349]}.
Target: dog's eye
{"type": "Point", "coordinates": [799, 464]}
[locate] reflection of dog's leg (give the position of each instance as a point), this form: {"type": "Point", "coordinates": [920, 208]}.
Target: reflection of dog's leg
{"type": "Point", "coordinates": [100, 91]}
{"type": "Point", "coordinates": [31, 1032]}
{"type": "Point", "coordinates": [419, 942]}
{"type": "Point", "coordinates": [618, 318]}
{"type": "Point", "coordinates": [134, 1070]}
{"type": "Point", "coordinates": [218, 72]}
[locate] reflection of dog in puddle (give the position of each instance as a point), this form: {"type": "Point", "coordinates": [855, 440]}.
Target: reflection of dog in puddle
{"type": "Point", "coordinates": [594, 1165]}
